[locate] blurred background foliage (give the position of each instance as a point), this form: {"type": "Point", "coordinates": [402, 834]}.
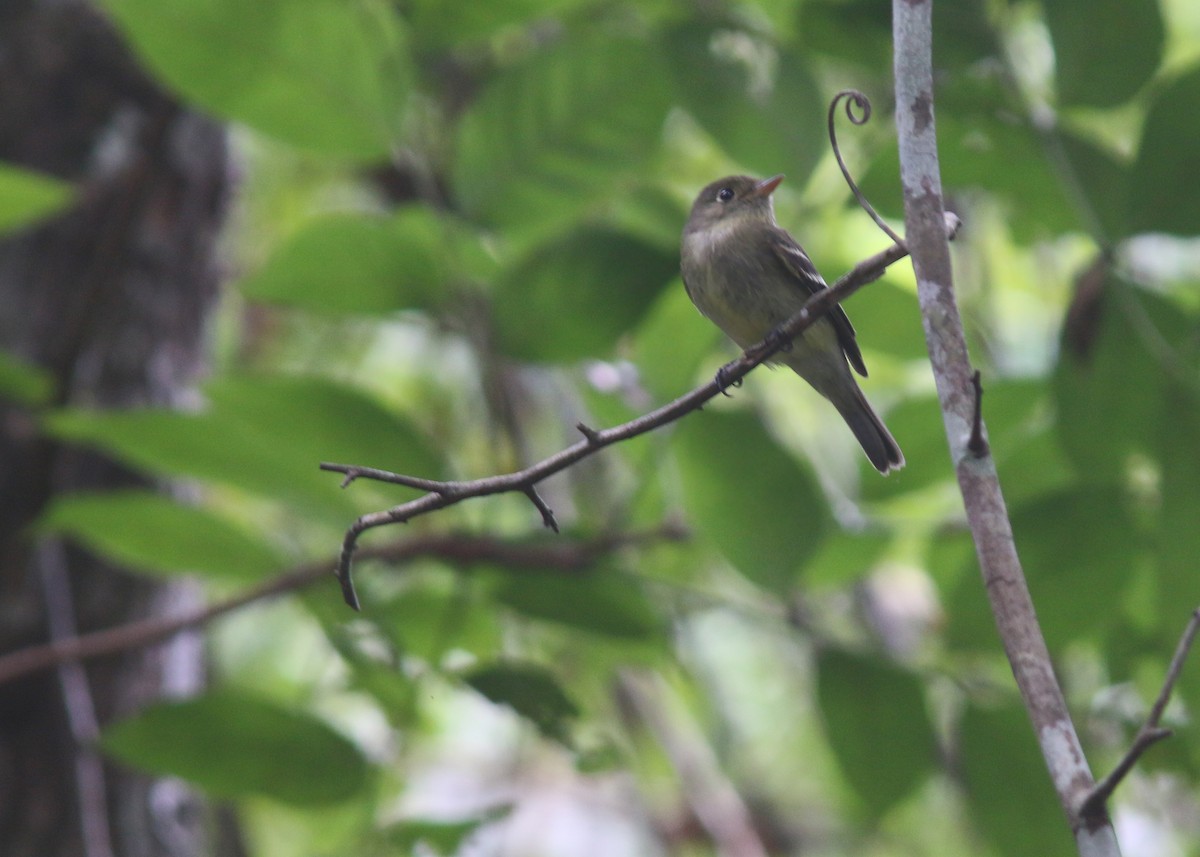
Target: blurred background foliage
{"type": "Point", "coordinates": [456, 236]}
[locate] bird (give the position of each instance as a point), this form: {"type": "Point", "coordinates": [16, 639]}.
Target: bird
{"type": "Point", "coordinates": [748, 275]}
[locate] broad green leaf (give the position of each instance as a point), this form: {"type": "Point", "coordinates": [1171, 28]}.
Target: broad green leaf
{"type": "Point", "coordinates": [531, 691]}
{"type": "Point", "coordinates": [888, 320]}
{"type": "Point", "coordinates": [24, 382]}
{"type": "Point", "coordinates": [233, 745]}
{"type": "Point", "coordinates": [325, 75]}
{"type": "Point", "coordinates": [1077, 547]}
{"type": "Point", "coordinates": [768, 128]}
{"type": "Point", "coordinates": [1008, 788]}
{"type": "Point", "coordinates": [361, 263]}
{"type": "Point", "coordinates": [1104, 51]}
{"type": "Point", "coordinates": [671, 343]}
{"type": "Point", "coordinates": [154, 534]}
{"type": "Point", "coordinates": [264, 435]}
{"type": "Point", "coordinates": [1109, 389]}
{"type": "Point", "coordinates": [561, 133]}
{"type": "Point", "coordinates": [604, 601]}
{"type": "Point", "coordinates": [845, 558]}
{"type": "Point", "coordinates": [436, 23]}
{"type": "Point", "coordinates": [431, 614]}
{"type": "Point", "coordinates": [749, 497]}
{"type": "Point", "coordinates": [1103, 180]}
{"type": "Point", "coordinates": [1178, 536]}
{"type": "Point", "coordinates": [26, 196]}
{"type": "Point", "coordinates": [444, 837]}
{"type": "Point", "coordinates": [1159, 200]}
{"type": "Point", "coordinates": [574, 297]}
{"type": "Point", "coordinates": [877, 726]}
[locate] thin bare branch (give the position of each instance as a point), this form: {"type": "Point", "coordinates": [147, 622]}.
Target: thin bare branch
{"type": "Point", "coordinates": [461, 550]}
{"type": "Point", "coordinates": [1150, 733]}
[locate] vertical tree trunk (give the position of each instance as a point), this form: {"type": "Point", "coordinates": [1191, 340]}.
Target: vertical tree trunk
{"type": "Point", "coordinates": [111, 299]}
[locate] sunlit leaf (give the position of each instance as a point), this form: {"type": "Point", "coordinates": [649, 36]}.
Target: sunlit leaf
{"type": "Point", "coordinates": [26, 196]}
{"type": "Point", "coordinates": [235, 745]}
{"type": "Point", "coordinates": [23, 382]}
{"type": "Point", "coordinates": [562, 132]}
{"type": "Point", "coordinates": [157, 535]}
{"type": "Point", "coordinates": [359, 263]}
{"type": "Point", "coordinates": [326, 75]}
{"type": "Point", "coordinates": [265, 435]}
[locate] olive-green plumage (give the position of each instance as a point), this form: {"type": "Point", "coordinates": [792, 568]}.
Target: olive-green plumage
{"type": "Point", "coordinates": [748, 276]}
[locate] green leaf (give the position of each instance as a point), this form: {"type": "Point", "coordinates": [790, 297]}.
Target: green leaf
{"type": "Point", "coordinates": [1105, 50]}
{"type": "Point", "coordinates": [264, 435]}
{"type": "Point", "coordinates": [1077, 547]}
{"type": "Point", "coordinates": [769, 128]}
{"type": "Point", "coordinates": [444, 837]}
{"type": "Point", "coordinates": [574, 297]}
{"type": "Point", "coordinates": [844, 558]}
{"type": "Point", "coordinates": [877, 725]}
{"type": "Point", "coordinates": [436, 23]}
{"type": "Point", "coordinates": [24, 382]}
{"type": "Point", "coordinates": [1178, 538]}
{"type": "Point", "coordinates": [749, 497]}
{"type": "Point", "coordinates": [1159, 201]}
{"type": "Point", "coordinates": [531, 691]}
{"type": "Point", "coordinates": [1103, 180]}
{"type": "Point", "coordinates": [155, 534]}
{"type": "Point", "coordinates": [604, 601]}
{"type": "Point", "coordinates": [563, 131]}
{"type": "Point", "coordinates": [888, 321]}
{"type": "Point", "coordinates": [1110, 391]}
{"type": "Point", "coordinates": [26, 196]}
{"type": "Point", "coordinates": [362, 263]}
{"type": "Point", "coordinates": [235, 745]}
{"type": "Point", "coordinates": [672, 342]}
{"type": "Point", "coordinates": [325, 75]}
{"type": "Point", "coordinates": [1010, 796]}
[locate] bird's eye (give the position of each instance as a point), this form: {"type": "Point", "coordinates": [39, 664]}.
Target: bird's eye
{"type": "Point", "coordinates": [725, 194]}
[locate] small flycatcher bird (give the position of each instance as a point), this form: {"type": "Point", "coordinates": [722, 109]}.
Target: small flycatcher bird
{"type": "Point", "coordinates": [748, 275]}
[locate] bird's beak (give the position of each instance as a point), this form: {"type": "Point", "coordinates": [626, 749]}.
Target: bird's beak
{"type": "Point", "coordinates": [767, 186]}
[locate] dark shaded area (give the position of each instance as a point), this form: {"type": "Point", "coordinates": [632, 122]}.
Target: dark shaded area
{"type": "Point", "coordinates": [111, 299]}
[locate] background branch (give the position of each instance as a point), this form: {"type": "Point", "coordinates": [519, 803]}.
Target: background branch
{"type": "Point", "coordinates": [974, 467]}
{"type": "Point", "coordinates": [458, 549]}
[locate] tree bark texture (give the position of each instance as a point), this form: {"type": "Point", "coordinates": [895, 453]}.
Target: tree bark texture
{"type": "Point", "coordinates": [111, 298]}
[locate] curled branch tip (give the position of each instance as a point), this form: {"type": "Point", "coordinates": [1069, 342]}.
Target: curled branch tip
{"type": "Point", "coordinates": [855, 99]}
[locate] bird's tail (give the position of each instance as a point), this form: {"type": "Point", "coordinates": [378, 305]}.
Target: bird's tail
{"type": "Point", "coordinates": [877, 442]}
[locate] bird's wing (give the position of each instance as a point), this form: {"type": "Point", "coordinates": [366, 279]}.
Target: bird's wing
{"type": "Point", "coordinates": [793, 258]}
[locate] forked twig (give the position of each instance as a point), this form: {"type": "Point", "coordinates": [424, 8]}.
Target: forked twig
{"type": "Point", "coordinates": [1150, 733]}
